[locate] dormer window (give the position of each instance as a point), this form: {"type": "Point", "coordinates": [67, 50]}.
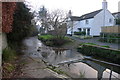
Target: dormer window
{"type": "Point", "coordinates": [110, 20]}
{"type": "Point", "coordinates": [86, 21]}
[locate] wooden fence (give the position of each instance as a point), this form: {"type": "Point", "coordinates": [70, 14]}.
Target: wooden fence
{"type": "Point", "coordinates": [110, 29]}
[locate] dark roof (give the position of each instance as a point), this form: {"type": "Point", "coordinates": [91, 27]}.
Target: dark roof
{"type": "Point", "coordinates": [85, 16]}
{"type": "Point", "coordinates": [116, 13]}
{"type": "Point", "coordinates": [75, 18]}
{"type": "Point", "coordinates": [90, 15]}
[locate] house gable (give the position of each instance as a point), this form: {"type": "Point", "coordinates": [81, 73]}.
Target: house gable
{"type": "Point", "coordinates": [90, 15]}
{"type": "Point", "coordinates": [104, 17]}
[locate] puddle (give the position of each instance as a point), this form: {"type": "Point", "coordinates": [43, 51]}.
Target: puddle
{"type": "Point", "coordinates": [76, 65]}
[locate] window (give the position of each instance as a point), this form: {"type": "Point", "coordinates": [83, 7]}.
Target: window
{"type": "Point", "coordinates": [79, 29]}
{"type": "Point", "coordinates": [88, 31]}
{"type": "Point", "coordinates": [86, 21]}
{"type": "Point", "coordinates": [110, 20]}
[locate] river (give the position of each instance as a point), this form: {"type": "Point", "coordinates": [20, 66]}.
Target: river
{"type": "Point", "coordinates": [70, 61]}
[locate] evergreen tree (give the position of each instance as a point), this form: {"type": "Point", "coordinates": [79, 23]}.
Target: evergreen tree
{"type": "Point", "coordinates": [22, 26]}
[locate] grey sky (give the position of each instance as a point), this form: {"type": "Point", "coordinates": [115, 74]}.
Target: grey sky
{"type": "Point", "coordinates": [78, 7]}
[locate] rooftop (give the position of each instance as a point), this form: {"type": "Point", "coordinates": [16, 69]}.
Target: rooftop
{"type": "Point", "coordinates": [85, 16]}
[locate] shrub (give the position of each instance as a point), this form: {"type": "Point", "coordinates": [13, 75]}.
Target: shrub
{"type": "Point", "coordinates": [80, 33]}
{"type": "Point", "coordinates": [118, 21]}
{"type": "Point", "coordinates": [83, 33]}
{"type": "Point", "coordinates": [50, 40]}
{"type": "Point", "coordinates": [58, 42]}
{"type": "Point", "coordinates": [8, 54]}
{"type": "Point", "coordinates": [77, 33]}
{"type": "Point", "coordinates": [110, 37]}
{"type": "Point", "coordinates": [22, 26]}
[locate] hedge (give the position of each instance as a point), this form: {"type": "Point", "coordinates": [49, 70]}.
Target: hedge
{"type": "Point", "coordinates": [100, 52]}
{"type": "Point", "coordinates": [110, 37]}
{"type": "Point", "coordinates": [80, 33]}
{"type": "Point", "coordinates": [53, 41]}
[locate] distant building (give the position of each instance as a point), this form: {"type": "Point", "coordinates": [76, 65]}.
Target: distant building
{"type": "Point", "coordinates": [91, 23]}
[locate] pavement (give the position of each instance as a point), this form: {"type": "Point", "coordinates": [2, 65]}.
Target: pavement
{"type": "Point", "coordinates": [33, 65]}
{"type": "Point", "coordinates": [95, 40]}
{"type": "Point", "coordinates": [36, 68]}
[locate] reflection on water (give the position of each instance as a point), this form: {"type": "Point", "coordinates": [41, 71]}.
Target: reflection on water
{"type": "Point", "coordinates": [89, 69]}
{"type": "Point", "coordinates": [55, 56]}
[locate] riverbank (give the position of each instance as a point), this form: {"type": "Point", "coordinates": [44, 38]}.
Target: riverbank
{"type": "Point", "coordinates": [45, 62]}
{"type": "Point", "coordinates": [11, 63]}
{"type": "Point", "coordinates": [33, 65]}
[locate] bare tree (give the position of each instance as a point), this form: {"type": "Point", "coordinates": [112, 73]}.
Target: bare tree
{"type": "Point", "coordinates": [55, 22]}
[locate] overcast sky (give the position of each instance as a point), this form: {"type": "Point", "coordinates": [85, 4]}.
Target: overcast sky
{"type": "Point", "coordinates": [78, 7]}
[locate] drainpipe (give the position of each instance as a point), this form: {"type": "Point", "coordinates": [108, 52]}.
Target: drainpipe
{"type": "Point", "coordinates": [72, 29]}
{"type": "Point", "coordinates": [104, 18]}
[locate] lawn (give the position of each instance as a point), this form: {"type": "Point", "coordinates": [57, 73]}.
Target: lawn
{"type": "Point", "coordinates": [45, 37]}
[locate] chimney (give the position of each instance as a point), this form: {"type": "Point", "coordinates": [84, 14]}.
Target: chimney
{"type": "Point", "coordinates": [104, 4]}
{"type": "Point", "coordinates": [70, 13]}
{"type": "Point", "coordinates": [119, 6]}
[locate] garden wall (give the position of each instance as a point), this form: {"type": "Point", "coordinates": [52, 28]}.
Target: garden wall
{"type": "Point", "coordinates": [107, 54]}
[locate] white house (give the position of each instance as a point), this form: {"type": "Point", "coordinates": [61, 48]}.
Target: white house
{"type": "Point", "coordinates": [92, 22]}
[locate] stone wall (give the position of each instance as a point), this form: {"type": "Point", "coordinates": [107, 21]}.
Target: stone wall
{"type": "Point", "coordinates": [110, 29]}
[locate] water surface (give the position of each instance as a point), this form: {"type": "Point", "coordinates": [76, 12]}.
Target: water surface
{"type": "Point", "coordinates": [74, 63]}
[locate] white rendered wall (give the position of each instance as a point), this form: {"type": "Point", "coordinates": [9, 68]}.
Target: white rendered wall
{"type": "Point", "coordinates": [76, 25]}
{"type": "Point", "coordinates": [89, 25]}
{"type": "Point", "coordinates": [84, 25]}
{"type": "Point", "coordinates": [102, 20]}
{"type": "Point", "coordinates": [69, 26]}
{"type": "Point", "coordinates": [72, 26]}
